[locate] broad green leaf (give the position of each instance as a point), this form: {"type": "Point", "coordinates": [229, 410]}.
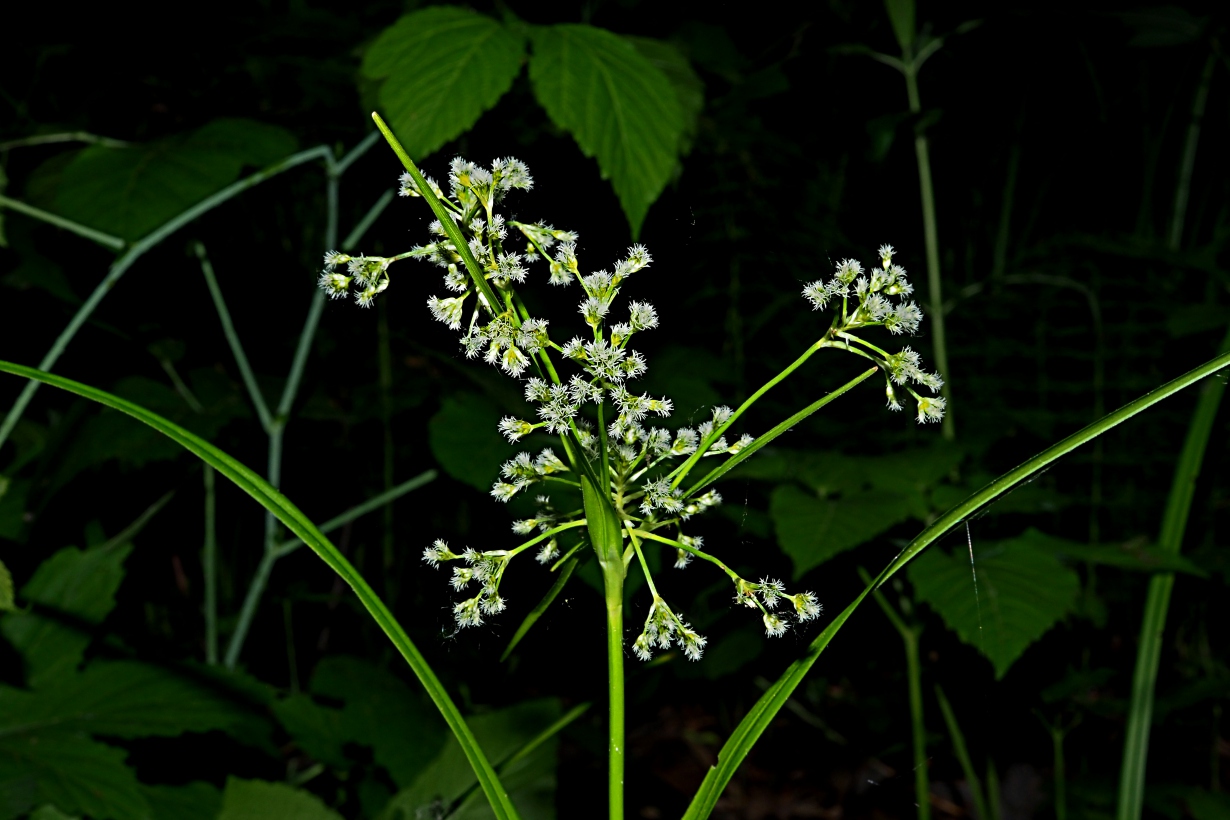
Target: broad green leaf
{"type": "Point", "coordinates": [1021, 593]}
{"type": "Point", "coordinates": [128, 699]}
{"type": "Point", "coordinates": [466, 441]}
{"type": "Point", "coordinates": [812, 530]}
{"type": "Point", "coordinates": [316, 729]}
{"type": "Point", "coordinates": [193, 801]}
{"type": "Point", "coordinates": [6, 589]}
{"type": "Point", "coordinates": [442, 68]}
{"type": "Point", "coordinates": [72, 773]}
{"type": "Point", "coordinates": [261, 800]}
{"type": "Point", "coordinates": [689, 87]}
{"type": "Point", "coordinates": [620, 108]}
{"type": "Point", "coordinates": [50, 812]}
{"type": "Point", "coordinates": [299, 524]}
{"type": "Point", "coordinates": [72, 591]}
{"type": "Point", "coordinates": [131, 191]}
{"type": "Point", "coordinates": [382, 712]}
{"type": "Point", "coordinates": [530, 781]}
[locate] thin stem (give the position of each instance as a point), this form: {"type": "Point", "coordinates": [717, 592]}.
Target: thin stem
{"type": "Point", "coordinates": [913, 672]}
{"type": "Point", "coordinates": [121, 265]}
{"type": "Point", "coordinates": [680, 545]}
{"type": "Point", "coordinates": [958, 746]}
{"type": "Point", "coordinates": [679, 473]}
{"type": "Point", "coordinates": [1157, 602]}
{"type": "Point", "coordinates": [290, 545]}
{"type": "Point", "coordinates": [931, 238]}
{"type": "Point", "coordinates": [113, 242]}
{"type": "Point", "coordinates": [66, 136]}
{"type": "Point", "coordinates": [1183, 189]}
{"type": "Point", "coordinates": [209, 567]}
{"type": "Point", "coordinates": [248, 611]}
{"type": "Point", "coordinates": [232, 339]}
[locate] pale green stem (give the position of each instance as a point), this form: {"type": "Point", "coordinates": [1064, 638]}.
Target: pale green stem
{"type": "Point", "coordinates": [931, 238]}
{"type": "Point", "coordinates": [106, 239]}
{"type": "Point", "coordinates": [290, 545]}
{"type": "Point", "coordinates": [277, 426]}
{"type": "Point", "coordinates": [232, 339]}
{"type": "Point", "coordinates": [67, 136]}
{"type": "Point", "coordinates": [959, 748]}
{"type": "Point", "coordinates": [121, 265]}
{"type": "Point", "coordinates": [209, 566]}
{"type": "Point", "coordinates": [615, 691]}
{"type": "Point", "coordinates": [913, 673]}
{"type": "Point", "coordinates": [1157, 602]}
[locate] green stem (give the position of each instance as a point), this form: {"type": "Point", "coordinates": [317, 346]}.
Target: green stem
{"type": "Point", "coordinates": [678, 474]}
{"type": "Point", "coordinates": [615, 691]}
{"type": "Point", "coordinates": [930, 236]}
{"type": "Point", "coordinates": [121, 266]}
{"type": "Point", "coordinates": [106, 239]}
{"type": "Point", "coordinates": [913, 672]}
{"type": "Point", "coordinates": [67, 136]}
{"type": "Point", "coordinates": [962, 753]}
{"type": "Point", "coordinates": [1183, 189]}
{"type": "Point", "coordinates": [1157, 602]}
{"type": "Point", "coordinates": [290, 545]}
{"type": "Point", "coordinates": [232, 339]}
{"type": "Point", "coordinates": [209, 566]}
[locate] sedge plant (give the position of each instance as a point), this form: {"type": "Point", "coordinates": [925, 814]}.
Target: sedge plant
{"type": "Point", "coordinates": [629, 484]}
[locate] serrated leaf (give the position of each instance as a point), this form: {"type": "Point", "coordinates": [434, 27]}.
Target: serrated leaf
{"type": "Point", "coordinates": [443, 67]}
{"type": "Point", "coordinates": [530, 782]}
{"type": "Point", "coordinates": [128, 699]}
{"type": "Point", "coordinates": [73, 773]}
{"type": "Point", "coordinates": [131, 191]}
{"type": "Point", "coordinates": [1022, 592]}
{"type": "Point", "coordinates": [193, 801]}
{"type": "Point", "coordinates": [382, 712]}
{"type": "Point", "coordinates": [689, 87]}
{"type": "Point", "coordinates": [465, 439]}
{"type": "Point", "coordinates": [261, 800]}
{"type": "Point", "coordinates": [620, 108]}
{"type": "Point", "coordinates": [72, 591]}
{"type": "Point", "coordinates": [812, 530]}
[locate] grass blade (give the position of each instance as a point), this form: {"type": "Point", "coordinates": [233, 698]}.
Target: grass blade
{"type": "Point", "coordinates": [1157, 602]}
{"type": "Point", "coordinates": [304, 529]}
{"type": "Point", "coordinates": [763, 712]}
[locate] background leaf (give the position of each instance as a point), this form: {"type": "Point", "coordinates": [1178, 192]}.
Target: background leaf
{"type": "Point", "coordinates": [261, 800]}
{"type": "Point", "coordinates": [1022, 592]}
{"type": "Point", "coordinates": [384, 713]}
{"type": "Point", "coordinates": [73, 773]}
{"type": "Point", "coordinates": [530, 782]}
{"type": "Point", "coordinates": [466, 442]}
{"type": "Point", "coordinates": [131, 191]}
{"type": "Point", "coordinates": [72, 591]}
{"type": "Point", "coordinates": [812, 530]}
{"type": "Point", "coordinates": [619, 106]}
{"type": "Point", "coordinates": [442, 68]}
{"type": "Point", "coordinates": [193, 801]}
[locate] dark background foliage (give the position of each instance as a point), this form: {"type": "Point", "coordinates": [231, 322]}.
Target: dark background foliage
{"type": "Point", "coordinates": [1072, 117]}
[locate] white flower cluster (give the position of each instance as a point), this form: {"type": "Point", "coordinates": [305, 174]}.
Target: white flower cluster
{"type": "Point", "coordinates": [369, 274]}
{"type": "Point", "coordinates": [766, 596]}
{"type": "Point", "coordinates": [484, 568]}
{"type": "Point", "coordinates": [874, 307]}
{"type": "Point", "coordinates": [662, 628]}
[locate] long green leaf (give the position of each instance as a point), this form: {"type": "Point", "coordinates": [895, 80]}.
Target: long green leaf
{"type": "Point", "coordinates": [1148, 655]}
{"type": "Point", "coordinates": [532, 618]}
{"type": "Point", "coordinates": [303, 528]}
{"type": "Point", "coordinates": [762, 714]}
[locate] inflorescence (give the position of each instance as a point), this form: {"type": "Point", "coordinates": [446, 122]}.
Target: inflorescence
{"type": "Point", "coordinates": [644, 472]}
